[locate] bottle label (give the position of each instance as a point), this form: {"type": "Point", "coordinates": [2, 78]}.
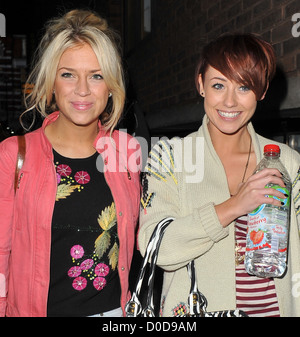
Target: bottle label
{"type": "Point", "coordinates": [261, 235]}
{"type": "Point", "coordinates": [267, 225]}
{"type": "Point", "coordinates": [286, 201]}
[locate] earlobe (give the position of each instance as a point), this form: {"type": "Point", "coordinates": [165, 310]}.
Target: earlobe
{"type": "Point", "coordinates": [201, 87]}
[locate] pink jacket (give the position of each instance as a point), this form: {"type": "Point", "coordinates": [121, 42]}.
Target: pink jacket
{"type": "Point", "coordinates": [25, 219]}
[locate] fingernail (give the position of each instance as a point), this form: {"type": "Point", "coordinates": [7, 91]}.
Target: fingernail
{"type": "Point", "coordinates": [282, 203]}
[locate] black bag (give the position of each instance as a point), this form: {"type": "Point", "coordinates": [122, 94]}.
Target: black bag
{"type": "Point", "coordinates": [196, 300]}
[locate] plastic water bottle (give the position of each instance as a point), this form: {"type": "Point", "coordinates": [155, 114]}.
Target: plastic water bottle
{"type": "Point", "coordinates": [268, 225]}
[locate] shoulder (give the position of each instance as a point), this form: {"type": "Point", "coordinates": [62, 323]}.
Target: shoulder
{"type": "Point", "coordinates": [176, 148]}
{"type": "Point", "coordinates": [163, 160]}
{"type": "Point", "coordinates": [9, 144]}
{"type": "Point", "coordinates": [123, 137]}
{"type": "Point", "coordinates": [8, 151]}
{"type": "Point", "coordinates": [165, 149]}
{"type": "Point", "coordinates": [121, 148]}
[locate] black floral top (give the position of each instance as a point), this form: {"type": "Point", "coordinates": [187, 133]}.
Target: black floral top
{"type": "Point", "coordinates": [84, 248]}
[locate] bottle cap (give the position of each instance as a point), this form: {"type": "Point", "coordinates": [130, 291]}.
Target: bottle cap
{"type": "Point", "coordinates": [272, 148]}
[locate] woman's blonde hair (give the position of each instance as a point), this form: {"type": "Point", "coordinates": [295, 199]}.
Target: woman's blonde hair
{"type": "Point", "coordinates": [74, 28]}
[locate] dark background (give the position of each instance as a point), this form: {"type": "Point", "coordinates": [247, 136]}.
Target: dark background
{"type": "Point", "coordinates": [161, 95]}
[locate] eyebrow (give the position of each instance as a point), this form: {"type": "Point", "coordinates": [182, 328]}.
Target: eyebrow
{"type": "Point", "coordinates": [218, 78]}
{"type": "Point", "coordinates": [71, 69]}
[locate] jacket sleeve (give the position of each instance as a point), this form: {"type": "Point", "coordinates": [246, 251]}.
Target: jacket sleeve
{"type": "Point", "coordinates": [8, 155]}
{"type": "Point", "coordinates": [189, 235]}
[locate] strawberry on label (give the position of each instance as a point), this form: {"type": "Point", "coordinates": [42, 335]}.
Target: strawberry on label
{"type": "Point", "coordinates": [257, 236]}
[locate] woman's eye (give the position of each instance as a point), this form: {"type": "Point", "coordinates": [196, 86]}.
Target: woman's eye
{"type": "Point", "coordinates": [97, 77]}
{"type": "Point", "coordinates": [218, 86]}
{"type": "Point", "coordinates": [244, 88]}
{"type": "Point", "coordinates": [66, 75]}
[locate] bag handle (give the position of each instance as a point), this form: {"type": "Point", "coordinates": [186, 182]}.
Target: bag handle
{"type": "Point", "coordinates": [20, 158]}
{"type": "Point", "coordinates": [196, 300]}
{"type": "Point", "coordinates": [148, 311]}
{"type": "Point", "coordinates": [133, 307]}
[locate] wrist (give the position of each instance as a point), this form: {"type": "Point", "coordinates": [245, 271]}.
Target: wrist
{"type": "Point", "coordinates": [226, 212]}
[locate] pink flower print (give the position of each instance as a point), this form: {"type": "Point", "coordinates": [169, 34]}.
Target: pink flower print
{"type": "Point", "coordinates": [86, 264]}
{"type": "Point", "coordinates": [64, 170]}
{"type": "Point", "coordinates": [74, 271]}
{"type": "Point", "coordinates": [82, 177]}
{"type": "Point", "coordinates": [99, 283]}
{"type": "Point", "coordinates": [101, 269]}
{"type": "Point", "coordinates": [79, 283]}
{"type": "Point", "coordinates": [77, 252]}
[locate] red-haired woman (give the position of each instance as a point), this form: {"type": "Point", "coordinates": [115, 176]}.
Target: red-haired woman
{"type": "Point", "coordinates": [210, 206]}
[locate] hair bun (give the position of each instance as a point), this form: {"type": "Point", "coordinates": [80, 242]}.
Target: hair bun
{"type": "Point", "coordinates": [83, 18]}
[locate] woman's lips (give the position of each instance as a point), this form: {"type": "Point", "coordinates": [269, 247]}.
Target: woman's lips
{"type": "Point", "coordinates": [229, 114]}
{"type": "Point", "coordinates": [82, 105]}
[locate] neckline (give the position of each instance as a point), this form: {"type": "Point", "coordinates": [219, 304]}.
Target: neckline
{"type": "Point", "coordinates": [75, 159]}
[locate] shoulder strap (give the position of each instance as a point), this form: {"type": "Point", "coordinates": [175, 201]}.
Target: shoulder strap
{"type": "Point", "coordinates": [20, 158]}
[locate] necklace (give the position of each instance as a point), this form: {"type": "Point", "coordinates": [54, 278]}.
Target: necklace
{"type": "Point", "coordinates": [239, 258]}
{"type": "Point", "coordinates": [247, 163]}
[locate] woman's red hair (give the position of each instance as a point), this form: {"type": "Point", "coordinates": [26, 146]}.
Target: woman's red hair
{"type": "Point", "coordinates": [243, 58]}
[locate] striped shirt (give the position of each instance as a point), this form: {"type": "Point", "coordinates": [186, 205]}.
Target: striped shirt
{"type": "Point", "coordinates": [255, 296]}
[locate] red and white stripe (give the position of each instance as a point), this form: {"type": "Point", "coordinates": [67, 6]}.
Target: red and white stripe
{"type": "Point", "coordinates": [255, 296]}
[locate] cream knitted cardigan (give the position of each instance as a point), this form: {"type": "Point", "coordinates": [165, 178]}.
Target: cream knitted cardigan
{"type": "Point", "coordinates": [187, 189]}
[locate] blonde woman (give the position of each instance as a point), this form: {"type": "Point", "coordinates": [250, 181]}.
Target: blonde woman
{"type": "Point", "coordinates": [67, 235]}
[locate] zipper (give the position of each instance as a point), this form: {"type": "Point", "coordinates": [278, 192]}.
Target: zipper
{"type": "Point", "coordinates": [19, 180]}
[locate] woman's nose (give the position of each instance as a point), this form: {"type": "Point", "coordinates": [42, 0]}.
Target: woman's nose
{"type": "Point", "coordinates": [230, 98]}
{"type": "Point", "coordinates": [82, 88]}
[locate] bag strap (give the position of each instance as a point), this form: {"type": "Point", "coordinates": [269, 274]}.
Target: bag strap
{"type": "Point", "coordinates": [196, 300]}
{"type": "Point", "coordinates": [133, 307]}
{"type": "Point", "coordinates": [148, 311]}
{"type": "Point", "coordinates": [20, 158]}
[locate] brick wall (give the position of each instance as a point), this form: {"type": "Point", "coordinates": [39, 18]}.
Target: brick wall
{"type": "Point", "coordinates": [162, 66]}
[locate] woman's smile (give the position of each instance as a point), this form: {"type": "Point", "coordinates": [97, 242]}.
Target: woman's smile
{"type": "Point", "coordinates": [229, 114]}
{"type": "Point", "coordinates": [82, 106]}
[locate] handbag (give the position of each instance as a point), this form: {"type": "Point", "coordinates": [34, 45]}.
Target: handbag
{"type": "Point", "coordinates": [197, 302]}
{"type": "Point", "coordinates": [20, 159]}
